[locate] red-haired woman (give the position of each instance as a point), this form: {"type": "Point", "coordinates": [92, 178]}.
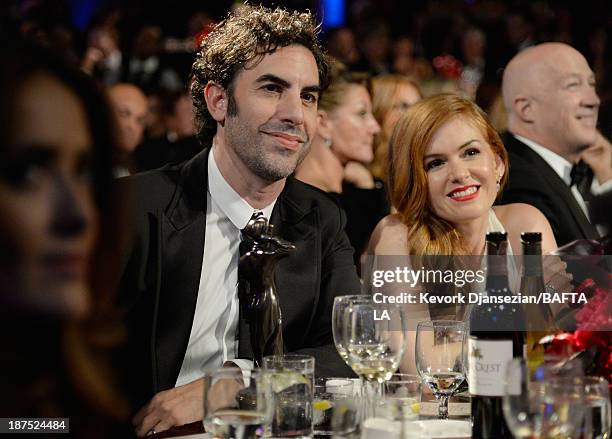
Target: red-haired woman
{"type": "Point", "coordinates": [447, 168]}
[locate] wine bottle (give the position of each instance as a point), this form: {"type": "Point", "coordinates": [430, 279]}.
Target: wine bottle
{"type": "Point", "coordinates": [539, 321]}
{"type": "Point", "coordinates": [495, 339]}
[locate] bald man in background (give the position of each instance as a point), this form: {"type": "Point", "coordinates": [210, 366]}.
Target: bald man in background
{"type": "Point", "coordinates": [131, 106]}
{"type": "Point", "coordinates": [549, 95]}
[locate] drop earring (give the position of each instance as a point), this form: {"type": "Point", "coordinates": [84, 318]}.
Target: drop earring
{"type": "Point", "coordinates": [498, 183]}
{"type": "Point", "coordinates": [327, 142]}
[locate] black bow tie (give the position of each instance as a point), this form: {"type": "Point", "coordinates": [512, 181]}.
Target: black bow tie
{"type": "Point", "coordinates": [581, 173]}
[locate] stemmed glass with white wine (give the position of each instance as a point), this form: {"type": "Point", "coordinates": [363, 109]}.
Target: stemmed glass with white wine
{"type": "Point", "coordinates": [370, 337]}
{"type": "Point", "coordinates": [341, 303]}
{"type": "Point", "coordinates": [440, 358]}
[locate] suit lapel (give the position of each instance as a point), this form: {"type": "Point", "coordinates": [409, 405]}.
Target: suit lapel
{"type": "Point", "coordinates": [297, 277]}
{"type": "Point", "coordinates": [182, 231]}
{"type": "Point", "coordinates": [556, 183]}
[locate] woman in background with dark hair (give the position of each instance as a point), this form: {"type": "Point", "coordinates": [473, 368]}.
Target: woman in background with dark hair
{"type": "Point", "coordinates": [59, 245]}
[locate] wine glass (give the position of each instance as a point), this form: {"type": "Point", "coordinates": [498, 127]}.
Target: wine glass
{"type": "Point", "coordinates": [597, 402]}
{"type": "Point", "coordinates": [339, 330]}
{"type": "Point", "coordinates": [563, 407]}
{"type": "Point", "coordinates": [559, 388]}
{"type": "Point", "coordinates": [371, 336]}
{"type": "Point", "coordinates": [439, 357]}
{"type": "Point", "coordinates": [341, 303]}
{"type": "Point", "coordinates": [522, 400]}
{"type": "Point", "coordinates": [237, 404]}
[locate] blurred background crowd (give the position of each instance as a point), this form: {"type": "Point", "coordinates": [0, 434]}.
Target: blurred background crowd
{"type": "Point", "coordinates": [444, 46]}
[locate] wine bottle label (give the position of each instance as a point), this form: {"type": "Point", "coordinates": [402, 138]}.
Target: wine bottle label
{"type": "Point", "coordinates": [487, 360]}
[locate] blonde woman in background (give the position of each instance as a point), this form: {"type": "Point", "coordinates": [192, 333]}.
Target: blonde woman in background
{"type": "Point", "coordinates": [340, 151]}
{"type": "Point", "coordinates": [392, 96]}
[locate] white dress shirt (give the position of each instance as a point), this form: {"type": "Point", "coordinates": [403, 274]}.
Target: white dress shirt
{"type": "Point", "coordinates": [212, 340]}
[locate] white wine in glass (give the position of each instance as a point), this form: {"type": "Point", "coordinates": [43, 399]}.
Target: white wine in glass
{"type": "Point", "coordinates": [341, 303]}
{"type": "Point", "coordinates": [371, 362]}
{"type": "Point", "coordinates": [371, 336]}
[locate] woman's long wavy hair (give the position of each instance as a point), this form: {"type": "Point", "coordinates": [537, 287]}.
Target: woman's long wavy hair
{"type": "Point", "coordinates": [429, 234]}
{"type": "Point", "coordinates": [384, 89]}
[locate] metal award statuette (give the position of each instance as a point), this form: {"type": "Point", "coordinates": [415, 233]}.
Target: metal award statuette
{"type": "Point", "coordinates": [260, 252]}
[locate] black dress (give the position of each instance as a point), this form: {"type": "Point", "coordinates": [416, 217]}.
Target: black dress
{"type": "Point", "coordinates": [364, 209]}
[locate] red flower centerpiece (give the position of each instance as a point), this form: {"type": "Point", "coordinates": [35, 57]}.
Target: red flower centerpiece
{"type": "Point", "coordinates": [593, 332]}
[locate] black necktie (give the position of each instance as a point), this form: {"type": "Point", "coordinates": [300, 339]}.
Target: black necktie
{"type": "Point", "coordinates": [254, 228]}
{"type": "Point", "coordinates": [582, 177]}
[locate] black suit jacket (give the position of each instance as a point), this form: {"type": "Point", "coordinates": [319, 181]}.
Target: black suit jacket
{"type": "Point", "coordinates": [161, 279]}
{"type": "Point", "coordinates": [533, 181]}
{"type": "Point", "coordinates": [155, 153]}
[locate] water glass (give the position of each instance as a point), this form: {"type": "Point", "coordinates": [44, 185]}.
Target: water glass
{"type": "Point", "coordinates": [401, 398]}
{"type": "Point", "coordinates": [346, 416]}
{"type": "Point", "coordinates": [237, 404]}
{"type": "Point", "coordinates": [597, 422]}
{"type": "Point", "coordinates": [329, 394]}
{"type": "Point", "coordinates": [292, 387]}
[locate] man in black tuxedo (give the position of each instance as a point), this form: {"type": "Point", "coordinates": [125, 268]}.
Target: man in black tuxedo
{"type": "Point", "coordinates": [257, 80]}
{"type": "Point", "coordinates": [549, 94]}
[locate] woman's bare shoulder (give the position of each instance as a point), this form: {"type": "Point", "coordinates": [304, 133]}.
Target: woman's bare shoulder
{"type": "Point", "coordinates": [389, 237]}
{"type": "Point", "coordinates": [519, 217]}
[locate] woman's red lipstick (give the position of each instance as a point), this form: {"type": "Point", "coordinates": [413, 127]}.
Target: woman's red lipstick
{"type": "Point", "coordinates": [464, 193]}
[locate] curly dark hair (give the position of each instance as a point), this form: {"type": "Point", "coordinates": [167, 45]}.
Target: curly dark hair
{"type": "Point", "coordinates": [246, 36]}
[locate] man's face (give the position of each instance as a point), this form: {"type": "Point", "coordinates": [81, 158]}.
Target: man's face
{"type": "Point", "coordinates": [272, 119]}
{"type": "Point", "coordinates": [566, 103]}
{"type": "Point", "coordinates": [131, 107]}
